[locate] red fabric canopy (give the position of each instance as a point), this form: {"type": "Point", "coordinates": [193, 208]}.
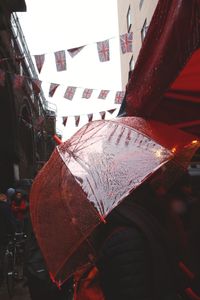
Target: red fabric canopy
{"type": "Point", "coordinates": [165, 84]}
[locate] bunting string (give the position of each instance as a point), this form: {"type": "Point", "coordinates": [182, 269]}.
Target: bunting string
{"type": "Point", "coordinates": [90, 116]}
{"type": "Point", "coordinates": [103, 49]}
{"type": "Point", "coordinates": [19, 81]}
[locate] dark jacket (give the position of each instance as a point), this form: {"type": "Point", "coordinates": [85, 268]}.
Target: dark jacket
{"type": "Point", "coordinates": [136, 261]}
{"type": "Point", "coordinates": [125, 265]}
{"type": "Point", "coordinates": [7, 222]}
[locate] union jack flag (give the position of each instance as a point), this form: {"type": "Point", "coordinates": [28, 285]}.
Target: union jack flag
{"type": "Point", "coordinates": [39, 121]}
{"type": "Point", "coordinates": [18, 81]}
{"type": "Point", "coordinates": [39, 60]}
{"type": "Point", "coordinates": [90, 117]}
{"type": "Point", "coordinates": [69, 93]}
{"type": "Point", "coordinates": [103, 50]}
{"type": "Point", "coordinates": [103, 94]}
{"type": "Point", "coordinates": [74, 51]}
{"type": "Point", "coordinates": [102, 114]}
{"type": "Point", "coordinates": [52, 89]}
{"type": "Point", "coordinates": [87, 93]}
{"type": "Point", "coordinates": [65, 121]}
{"type": "Point", "coordinates": [60, 58]}
{"type": "Point", "coordinates": [36, 84]}
{"type": "Point", "coordinates": [119, 97]}
{"type": "Point", "coordinates": [2, 77]}
{"type": "Point", "coordinates": [77, 120]}
{"type": "Point", "coordinates": [111, 111]}
{"type": "Point", "coordinates": [126, 42]}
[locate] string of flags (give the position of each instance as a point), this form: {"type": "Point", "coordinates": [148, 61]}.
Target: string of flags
{"type": "Point", "coordinates": [18, 82]}
{"type": "Point", "coordinates": [103, 49]}
{"type": "Point", "coordinates": [90, 116]}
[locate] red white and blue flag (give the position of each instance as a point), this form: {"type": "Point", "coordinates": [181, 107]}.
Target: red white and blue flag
{"type": "Point", "coordinates": [111, 111]}
{"type": "Point", "coordinates": [126, 42]}
{"type": "Point", "coordinates": [87, 93]}
{"type": "Point", "coordinates": [2, 77]}
{"type": "Point", "coordinates": [103, 50]}
{"type": "Point", "coordinates": [65, 121]}
{"type": "Point", "coordinates": [74, 51]}
{"type": "Point", "coordinates": [90, 117]}
{"type": "Point", "coordinates": [60, 58]}
{"type": "Point", "coordinates": [18, 81]}
{"type": "Point", "coordinates": [39, 60]}
{"type": "Point", "coordinates": [102, 114]}
{"type": "Point", "coordinates": [119, 97]}
{"type": "Point", "coordinates": [77, 120]}
{"type": "Point", "coordinates": [53, 88]}
{"type": "Point", "coordinates": [69, 93]}
{"type": "Point", "coordinates": [36, 84]}
{"type": "Point", "coordinates": [103, 94]}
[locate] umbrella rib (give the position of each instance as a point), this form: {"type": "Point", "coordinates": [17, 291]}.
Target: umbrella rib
{"type": "Point", "coordinates": [96, 130]}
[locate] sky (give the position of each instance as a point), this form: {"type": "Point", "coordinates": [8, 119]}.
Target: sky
{"type": "Point", "coordinates": [51, 26]}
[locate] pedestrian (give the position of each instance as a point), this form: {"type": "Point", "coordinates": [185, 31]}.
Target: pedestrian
{"type": "Point", "coordinates": [19, 208]}
{"type": "Point", "coordinates": [7, 227]}
{"type": "Point", "coordinates": [10, 193]}
{"type": "Point", "coordinates": [39, 282]}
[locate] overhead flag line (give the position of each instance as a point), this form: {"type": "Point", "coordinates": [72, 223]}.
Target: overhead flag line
{"type": "Point", "coordinates": [103, 49]}
{"type": "Point", "coordinates": [19, 81]}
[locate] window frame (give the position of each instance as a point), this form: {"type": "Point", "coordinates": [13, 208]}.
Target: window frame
{"type": "Point", "coordinates": [144, 30]}
{"type": "Point", "coordinates": [128, 19]}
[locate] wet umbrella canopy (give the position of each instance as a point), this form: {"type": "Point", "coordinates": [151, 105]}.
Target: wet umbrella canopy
{"type": "Point", "coordinates": [89, 175]}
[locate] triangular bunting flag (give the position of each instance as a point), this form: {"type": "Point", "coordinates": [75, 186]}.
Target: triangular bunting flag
{"type": "Point", "coordinates": [103, 114]}
{"type": "Point", "coordinates": [60, 59]}
{"type": "Point", "coordinates": [52, 89]}
{"type": "Point", "coordinates": [111, 111]}
{"type": "Point", "coordinates": [87, 93]}
{"type": "Point", "coordinates": [69, 93]}
{"type": "Point", "coordinates": [103, 94]}
{"type": "Point", "coordinates": [65, 121]}
{"type": "Point", "coordinates": [39, 60]}
{"type": "Point", "coordinates": [90, 117]}
{"type": "Point", "coordinates": [39, 122]}
{"type": "Point", "coordinates": [77, 120]}
{"type": "Point", "coordinates": [126, 42]}
{"type": "Point", "coordinates": [2, 77]}
{"type": "Point", "coordinates": [18, 81]}
{"type": "Point", "coordinates": [119, 97]}
{"type": "Point", "coordinates": [36, 84]}
{"type": "Point", "coordinates": [74, 51]}
{"type": "Point", "coordinates": [103, 50]}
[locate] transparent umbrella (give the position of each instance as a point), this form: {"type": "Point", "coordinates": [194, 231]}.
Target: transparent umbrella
{"type": "Point", "coordinates": [89, 175]}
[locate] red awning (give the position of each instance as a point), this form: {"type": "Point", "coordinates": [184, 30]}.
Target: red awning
{"type": "Point", "coordinates": [165, 84]}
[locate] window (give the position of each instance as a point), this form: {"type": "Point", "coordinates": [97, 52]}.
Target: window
{"type": "Point", "coordinates": [141, 3]}
{"type": "Point", "coordinates": [128, 19]}
{"type": "Point", "coordinates": [131, 64]}
{"type": "Point", "coordinates": [131, 67]}
{"type": "Point", "coordinates": [144, 30]}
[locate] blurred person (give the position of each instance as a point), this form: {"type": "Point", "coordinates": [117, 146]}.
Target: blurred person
{"type": "Point", "coordinates": [19, 208]}
{"type": "Point", "coordinates": [7, 227]}
{"type": "Point", "coordinates": [38, 280]}
{"type": "Point", "coordinates": [136, 258]}
{"type": "Point", "coordinates": [10, 193]}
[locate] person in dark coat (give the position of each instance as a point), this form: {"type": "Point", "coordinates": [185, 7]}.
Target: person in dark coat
{"type": "Point", "coordinates": [135, 257]}
{"type": "Point", "coordinates": [39, 282]}
{"type": "Point", "coordinates": [7, 227]}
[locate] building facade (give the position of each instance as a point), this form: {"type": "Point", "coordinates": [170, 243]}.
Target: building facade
{"type": "Point", "coordinates": [134, 16]}
{"type": "Point", "coordinates": [27, 123]}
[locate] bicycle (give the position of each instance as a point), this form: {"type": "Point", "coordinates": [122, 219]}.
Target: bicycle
{"type": "Point", "coordinates": [13, 261]}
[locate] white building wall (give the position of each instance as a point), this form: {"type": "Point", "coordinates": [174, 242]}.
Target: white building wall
{"type": "Point", "coordinates": [140, 10]}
